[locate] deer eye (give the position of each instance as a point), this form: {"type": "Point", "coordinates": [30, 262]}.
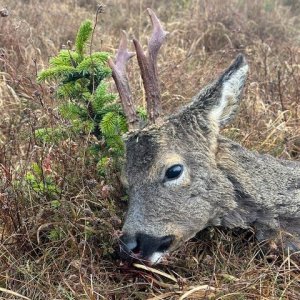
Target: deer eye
{"type": "Point", "coordinates": [173, 172]}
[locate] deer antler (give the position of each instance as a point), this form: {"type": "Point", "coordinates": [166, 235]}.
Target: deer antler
{"type": "Point", "coordinates": [120, 77]}
{"type": "Point", "coordinates": [148, 67]}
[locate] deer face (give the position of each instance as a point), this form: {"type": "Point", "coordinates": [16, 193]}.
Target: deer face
{"type": "Point", "coordinates": [174, 184]}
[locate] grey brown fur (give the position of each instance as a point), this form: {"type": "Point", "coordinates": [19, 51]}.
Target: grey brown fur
{"type": "Point", "coordinates": [222, 182]}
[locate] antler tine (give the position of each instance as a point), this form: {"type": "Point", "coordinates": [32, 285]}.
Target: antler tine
{"type": "Point", "coordinates": [158, 36]}
{"type": "Point", "coordinates": [120, 77]}
{"type": "Point", "coordinates": [148, 67]}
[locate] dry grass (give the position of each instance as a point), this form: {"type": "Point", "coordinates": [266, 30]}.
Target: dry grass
{"type": "Point", "coordinates": [68, 252]}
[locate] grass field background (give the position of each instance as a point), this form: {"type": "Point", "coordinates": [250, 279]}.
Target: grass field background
{"type": "Point", "coordinates": [69, 252]}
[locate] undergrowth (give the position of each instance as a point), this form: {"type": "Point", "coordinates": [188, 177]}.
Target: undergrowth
{"type": "Point", "coordinates": [79, 83]}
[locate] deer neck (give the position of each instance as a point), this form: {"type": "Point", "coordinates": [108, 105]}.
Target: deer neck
{"type": "Point", "coordinates": [266, 189]}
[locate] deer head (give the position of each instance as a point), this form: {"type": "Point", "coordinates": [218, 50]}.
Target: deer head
{"type": "Point", "coordinates": [175, 186]}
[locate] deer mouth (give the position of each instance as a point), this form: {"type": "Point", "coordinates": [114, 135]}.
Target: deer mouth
{"type": "Point", "coordinates": [156, 258]}
{"type": "Point", "coordinates": [143, 247]}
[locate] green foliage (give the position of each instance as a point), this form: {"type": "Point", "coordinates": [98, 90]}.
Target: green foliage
{"type": "Point", "coordinates": [95, 59]}
{"type": "Point", "coordinates": [113, 124]}
{"type": "Point", "coordinates": [56, 73]}
{"type": "Point", "coordinates": [55, 204]}
{"type": "Point", "coordinates": [84, 99]}
{"type": "Point", "coordinates": [142, 113]}
{"type": "Point", "coordinates": [56, 234]}
{"type": "Point", "coordinates": [40, 182]}
{"type": "Point", "coordinates": [65, 58]}
{"type": "Point", "coordinates": [103, 165]}
{"type": "Point", "coordinates": [48, 135]}
{"type": "Point", "coordinates": [83, 35]}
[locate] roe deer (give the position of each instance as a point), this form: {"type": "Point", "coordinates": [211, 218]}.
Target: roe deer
{"type": "Point", "coordinates": [183, 176]}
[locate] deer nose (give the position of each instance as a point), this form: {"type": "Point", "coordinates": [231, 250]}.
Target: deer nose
{"type": "Point", "coordinates": [143, 246]}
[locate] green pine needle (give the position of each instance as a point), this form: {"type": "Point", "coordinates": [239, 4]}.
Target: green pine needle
{"type": "Point", "coordinates": [84, 99]}
{"type": "Point", "coordinates": [113, 124]}
{"type": "Point", "coordinates": [55, 73]}
{"type": "Point", "coordinates": [83, 35]}
{"type": "Point", "coordinates": [65, 58]}
{"type": "Point", "coordinates": [116, 145]}
{"type": "Point", "coordinates": [95, 60]}
{"type": "Point", "coordinates": [102, 98]}
{"type": "Point", "coordinates": [142, 113]}
{"type": "Point", "coordinates": [71, 111]}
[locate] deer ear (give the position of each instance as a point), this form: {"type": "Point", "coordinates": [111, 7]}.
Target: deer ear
{"type": "Point", "coordinates": [219, 101]}
{"type": "Point", "coordinates": [230, 86]}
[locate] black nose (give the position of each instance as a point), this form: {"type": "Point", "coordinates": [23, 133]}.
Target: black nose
{"type": "Point", "coordinates": [142, 246]}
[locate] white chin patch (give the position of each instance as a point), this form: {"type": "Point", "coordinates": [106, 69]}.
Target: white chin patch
{"type": "Point", "coordinates": [156, 257]}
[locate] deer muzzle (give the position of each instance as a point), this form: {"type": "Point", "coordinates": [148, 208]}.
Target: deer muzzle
{"type": "Point", "coordinates": [144, 247]}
